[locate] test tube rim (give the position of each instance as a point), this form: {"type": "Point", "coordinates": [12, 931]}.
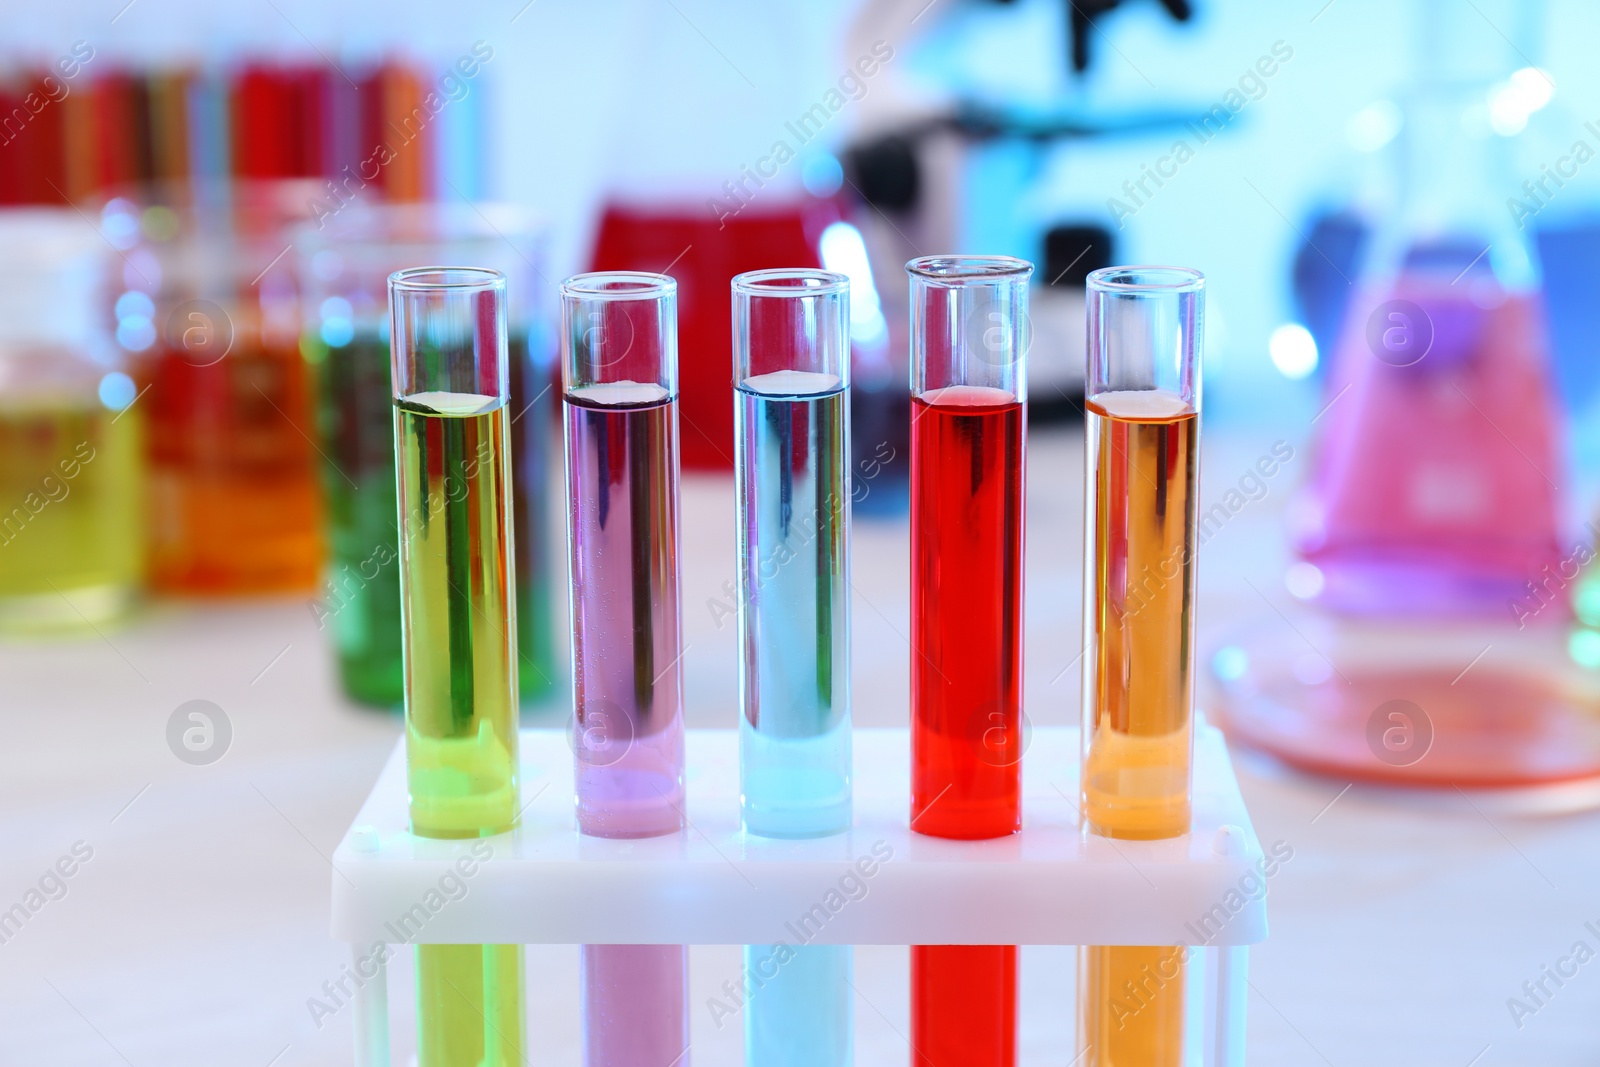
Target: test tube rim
{"type": "Point", "coordinates": [778, 282]}
{"type": "Point", "coordinates": [1146, 278]}
{"type": "Point", "coordinates": [446, 280]}
{"type": "Point", "coordinates": [956, 272]}
{"type": "Point", "coordinates": [619, 285]}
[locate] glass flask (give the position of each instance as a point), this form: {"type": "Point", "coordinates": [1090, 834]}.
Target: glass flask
{"type": "Point", "coordinates": [1438, 451]}
{"type": "Point", "coordinates": [70, 435]}
{"type": "Point", "coordinates": [212, 324]}
{"type": "Point", "coordinates": [1430, 535]}
{"type": "Point", "coordinates": [344, 265]}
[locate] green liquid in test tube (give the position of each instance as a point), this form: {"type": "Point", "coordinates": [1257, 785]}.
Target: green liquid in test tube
{"type": "Point", "coordinates": [452, 430]}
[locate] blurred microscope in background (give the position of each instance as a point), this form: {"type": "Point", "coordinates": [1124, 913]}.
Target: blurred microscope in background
{"type": "Point", "coordinates": [911, 182]}
{"type": "Point", "coordinates": [925, 179]}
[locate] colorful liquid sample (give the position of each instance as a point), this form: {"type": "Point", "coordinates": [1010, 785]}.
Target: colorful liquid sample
{"type": "Point", "coordinates": [966, 612]}
{"type": "Point", "coordinates": [800, 1008]}
{"type": "Point", "coordinates": [233, 503]}
{"type": "Point", "coordinates": [469, 1001]}
{"type": "Point", "coordinates": [461, 701]}
{"type": "Point", "coordinates": [361, 597]}
{"type": "Point", "coordinates": [622, 492]}
{"type": "Point", "coordinates": [1436, 472]}
{"type": "Point", "coordinates": [70, 488]}
{"type": "Point", "coordinates": [635, 1005]}
{"type": "Point", "coordinates": [1132, 1006]}
{"type": "Point", "coordinates": [532, 406]}
{"type": "Point", "coordinates": [1138, 674]}
{"type": "Point", "coordinates": [963, 1003]}
{"type": "Point", "coordinates": [794, 600]}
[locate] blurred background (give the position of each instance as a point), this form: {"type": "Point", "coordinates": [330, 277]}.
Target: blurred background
{"type": "Point", "coordinates": [1398, 215]}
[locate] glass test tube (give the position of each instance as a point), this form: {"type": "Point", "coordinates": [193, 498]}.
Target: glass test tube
{"type": "Point", "coordinates": [791, 345]}
{"type": "Point", "coordinates": [635, 1005]}
{"type": "Point", "coordinates": [1142, 459]}
{"type": "Point", "coordinates": [799, 1011]}
{"type": "Point", "coordinates": [448, 337]}
{"type": "Point", "coordinates": [964, 1005]}
{"type": "Point", "coordinates": [791, 353]}
{"type": "Point", "coordinates": [620, 377]}
{"type": "Point", "coordinates": [620, 367]}
{"type": "Point", "coordinates": [969, 330]}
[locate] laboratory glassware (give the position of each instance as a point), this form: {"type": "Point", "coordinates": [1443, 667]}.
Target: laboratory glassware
{"type": "Point", "coordinates": [620, 388]}
{"type": "Point", "coordinates": [1141, 480]}
{"type": "Point", "coordinates": [792, 375]}
{"type": "Point", "coordinates": [71, 470]}
{"type": "Point", "coordinates": [345, 262]}
{"type": "Point", "coordinates": [970, 335]}
{"type": "Point", "coordinates": [452, 440]}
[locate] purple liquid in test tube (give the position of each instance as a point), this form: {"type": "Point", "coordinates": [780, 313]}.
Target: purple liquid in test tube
{"type": "Point", "coordinates": [620, 378]}
{"type": "Point", "coordinates": [635, 1005]}
{"type": "Point", "coordinates": [620, 408]}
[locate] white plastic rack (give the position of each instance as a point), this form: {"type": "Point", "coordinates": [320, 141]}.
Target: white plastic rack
{"type": "Point", "coordinates": [876, 884]}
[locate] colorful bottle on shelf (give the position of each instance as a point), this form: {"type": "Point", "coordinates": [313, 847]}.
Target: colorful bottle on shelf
{"type": "Point", "coordinates": [969, 330]}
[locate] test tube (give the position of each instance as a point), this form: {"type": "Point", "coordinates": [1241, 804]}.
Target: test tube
{"type": "Point", "coordinates": [620, 383]}
{"type": "Point", "coordinates": [791, 354]}
{"type": "Point", "coordinates": [448, 350]}
{"type": "Point", "coordinates": [635, 1005]}
{"type": "Point", "coordinates": [799, 1009]}
{"type": "Point", "coordinates": [620, 371]}
{"type": "Point", "coordinates": [1142, 460]}
{"type": "Point", "coordinates": [969, 336]}
{"type": "Point", "coordinates": [964, 1005]}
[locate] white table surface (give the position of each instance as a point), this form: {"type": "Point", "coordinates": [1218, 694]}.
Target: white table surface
{"type": "Point", "coordinates": [199, 928]}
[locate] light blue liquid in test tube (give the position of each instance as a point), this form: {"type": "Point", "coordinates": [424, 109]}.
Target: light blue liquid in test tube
{"type": "Point", "coordinates": [791, 358]}
{"type": "Point", "coordinates": [801, 1016]}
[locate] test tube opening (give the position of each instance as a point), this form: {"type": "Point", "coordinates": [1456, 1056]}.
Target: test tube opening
{"type": "Point", "coordinates": [447, 332]}
{"type": "Point", "coordinates": [969, 325]}
{"type": "Point", "coordinates": [620, 337]}
{"type": "Point", "coordinates": [1144, 328]}
{"type": "Point", "coordinates": [794, 322]}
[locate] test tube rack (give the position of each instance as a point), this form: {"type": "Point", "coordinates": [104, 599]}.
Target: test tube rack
{"type": "Point", "coordinates": [1051, 884]}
